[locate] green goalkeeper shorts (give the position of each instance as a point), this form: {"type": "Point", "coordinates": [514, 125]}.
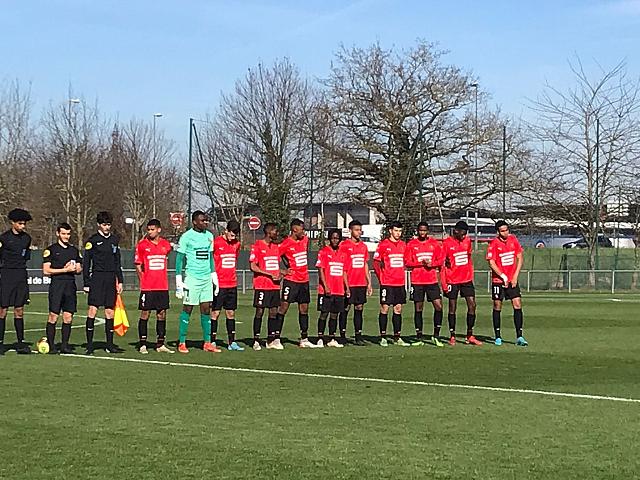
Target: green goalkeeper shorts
{"type": "Point", "coordinates": [197, 291]}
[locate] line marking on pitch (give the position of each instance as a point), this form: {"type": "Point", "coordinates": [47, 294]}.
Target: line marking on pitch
{"type": "Point", "coordinates": [99, 321]}
{"type": "Point", "coordinates": [583, 396]}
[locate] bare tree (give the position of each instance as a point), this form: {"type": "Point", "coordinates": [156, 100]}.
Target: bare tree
{"type": "Point", "coordinates": [145, 173]}
{"type": "Point", "coordinates": [405, 122]}
{"type": "Point", "coordinates": [588, 140]}
{"type": "Point", "coordinates": [257, 151]}
{"type": "Point", "coordinates": [16, 160]}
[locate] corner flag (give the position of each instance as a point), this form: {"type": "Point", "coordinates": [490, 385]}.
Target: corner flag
{"type": "Point", "coordinates": [120, 320]}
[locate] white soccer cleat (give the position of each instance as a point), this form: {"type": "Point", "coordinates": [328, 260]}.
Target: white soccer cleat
{"type": "Point", "coordinates": [334, 343]}
{"type": "Point", "coordinates": [256, 346]}
{"type": "Point", "coordinates": [305, 343]}
{"type": "Point", "coordinates": [320, 343]}
{"type": "Point", "coordinates": [164, 349]}
{"type": "Point", "coordinates": [143, 350]}
{"type": "Point", "coordinates": [275, 345]}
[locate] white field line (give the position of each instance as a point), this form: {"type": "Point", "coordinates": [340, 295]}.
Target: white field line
{"type": "Point", "coordinates": [365, 379]}
{"type": "Point", "coordinates": [99, 321]}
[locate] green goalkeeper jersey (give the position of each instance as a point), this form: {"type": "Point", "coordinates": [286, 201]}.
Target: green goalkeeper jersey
{"type": "Point", "coordinates": [197, 248]}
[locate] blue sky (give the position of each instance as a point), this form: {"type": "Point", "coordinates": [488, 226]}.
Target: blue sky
{"type": "Point", "coordinates": [175, 57]}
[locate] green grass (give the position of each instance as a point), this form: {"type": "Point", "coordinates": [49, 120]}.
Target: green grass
{"type": "Point", "coordinates": [67, 417]}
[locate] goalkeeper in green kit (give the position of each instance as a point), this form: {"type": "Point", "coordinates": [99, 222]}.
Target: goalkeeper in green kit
{"type": "Point", "coordinates": [195, 258]}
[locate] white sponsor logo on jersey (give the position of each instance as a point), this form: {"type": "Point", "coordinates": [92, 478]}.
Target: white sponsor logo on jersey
{"type": "Point", "coordinates": [336, 269]}
{"type": "Point", "coordinates": [300, 258]}
{"type": "Point", "coordinates": [357, 260]}
{"type": "Point", "coordinates": [507, 258]}
{"type": "Point", "coordinates": [461, 258]}
{"type": "Point", "coordinates": [396, 260]}
{"type": "Point", "coordinates": [156, 262]}
{"type": "Point", "coordinates": [271, 263]}
{"type": "Point", "coordinates": [421, 256]}
{"type": "Point", "coordinates": [228, 260]}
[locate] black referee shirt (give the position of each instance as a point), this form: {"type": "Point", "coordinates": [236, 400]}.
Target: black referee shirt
{"type": "Point", "coordinates": [101, 254]}
{"type": "Point", "coordinates": [59, 256]}
{"type": "Point", "coordinates": [14, 250]}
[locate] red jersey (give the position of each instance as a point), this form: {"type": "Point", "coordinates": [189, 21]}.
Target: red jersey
{"type": "Point", "coordinates": [153, 258]}
{"type": "Point", "coordinates": [225, 259]}
{"type": "Point", "coordinates": [333, 262]}
{"type": "Point", "coordinates": [391, 254]}
{"type": "Point", "coordinates": [295, 251]}
{"type": "Point", "coordinates": [458, 255]}
{"type": "Point", "coordinates": [357, 262]}
{"type": "Point", "coordinates": [504, 253]}
{"type": "Point", "coordinates": [417, 251]}
{"type": "Point", "coordinates": [267, 257]}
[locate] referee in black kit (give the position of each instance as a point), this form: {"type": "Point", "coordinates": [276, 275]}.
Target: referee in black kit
{"type": "Point", "coordinates": [102, 274]}
{"type": "Point", "coordinates": [15, 251]}
{"type": "Point", "coordinates": [62, 262]}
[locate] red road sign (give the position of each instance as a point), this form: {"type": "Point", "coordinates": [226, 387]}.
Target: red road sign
{"type": "Point", "coordinates": [253, 223]}
{"type": "Point", "coordinates": [176, 218]}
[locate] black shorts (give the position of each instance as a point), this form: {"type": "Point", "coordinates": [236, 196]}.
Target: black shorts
{"type": "Point", "coordinates": [295, 292]}
{"type": "Point", "coordinates": [153, 300]}
{"type": "Point", "coordinates": [419, 292]}
{"type": "Point", "coordinates": [63, 297]}
{"type": "Point", "coordinates": [14, 289]}
{"type": "Point", "coordinates": [102, 290]}
{"type": "Point", "coordinates": [500, 292]}
{"type": "Point", "coordinates": [227, 298]}
{"type": "Point", "coordinates": [266, 298]}
{"type": "Point", "coordinates": [358, 296]}
{"type": "Point", "coordinates": [331, 303]}
{"type": "Point", "coordinates": [465, 290]}
{"type": "Point", "coordinates": [393, 295]}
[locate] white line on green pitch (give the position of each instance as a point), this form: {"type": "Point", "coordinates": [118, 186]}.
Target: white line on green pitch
{"type": "Point", "coordinates": [365, 379]}
{"type": "Point", "coordinates": [99, 321]}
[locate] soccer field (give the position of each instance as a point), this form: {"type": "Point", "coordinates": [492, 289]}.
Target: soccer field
{"type": "Point", "coordinates": [372, 412]}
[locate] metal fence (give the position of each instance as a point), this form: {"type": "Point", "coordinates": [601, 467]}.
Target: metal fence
{"type": "Point", "coordinates": [604, 281]}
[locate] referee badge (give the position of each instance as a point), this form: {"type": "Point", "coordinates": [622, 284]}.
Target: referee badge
{"type": "Point", "coordinates": [46, 253]}
{"type": "Point", "coordinates": [88, 246]}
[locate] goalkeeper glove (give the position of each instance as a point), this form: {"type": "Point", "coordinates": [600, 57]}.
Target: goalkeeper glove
{"type": "Point", "coordinates": [179, 287]}
{"type": "Point", "coordinates": [214, 280]}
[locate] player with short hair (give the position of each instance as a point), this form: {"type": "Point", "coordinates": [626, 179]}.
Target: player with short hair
{"type": "Point", "coordinates": [62, 262]}
{"type": "Point", "coordinates": [15, 251]}
{"type": "Point", "coordinates": [457, 275]}
{"type": "Point", "coordinates": [333, 287]}
{"type": "Point", "coordinates": [103, 278]}
{"type": "Point", "coordinates": [226, 248]}
{"type": "Point", "coordinates": [197, 287]}
{"type": "Point", "coordinates": [151, 261]}
{"type": "Point", "coordinates": [389, 265]}
{"type": "Point", "coordinates": [295, 285]}
{"type": "Point", "coordinates": [505, 257]}
{"type": "Point", "coordinates": [424, 259]}
{"type": "Point", "coordinates": [264, 262]}
{"type": "Point", "coordinates": [359, 280]}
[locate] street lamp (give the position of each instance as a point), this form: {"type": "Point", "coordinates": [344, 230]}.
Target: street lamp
{"type": "Point", "coordinates": [155, 116]}
{"type": "Point", "coordinates": [475, 166]}
{"type": "Point", "coordinates": [70, 170]}
{"type": "Point", "coordinates": [131, 221]}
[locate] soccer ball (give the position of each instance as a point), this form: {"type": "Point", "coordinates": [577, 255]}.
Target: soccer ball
{"type": "Point", "coordinates": [43, 345]}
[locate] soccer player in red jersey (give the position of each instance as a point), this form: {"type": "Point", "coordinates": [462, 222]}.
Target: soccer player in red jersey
{"type": "Point", "coordinates": [424, 258]}
{"type": "Point", "coordinates": [151, 256]}
{"type": "Point", "coordinates": [295, 286]}
{"type": "Point", "coordinates": [505, 259]}
{"type": "Point", "coordinates": [333, 287]}
{"type": "Point", "coordinates": [458, 278]}
{"type": "Point", "coordinates": [264, 262]}
{"type": "Point", "coordinates": [225, 258]}
{"type": "Point", "coordinates": [359, 280]}
{"type": "Point", "coordinates": [389, 265]}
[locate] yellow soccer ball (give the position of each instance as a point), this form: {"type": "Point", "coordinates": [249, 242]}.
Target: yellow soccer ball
{"type": "Point", "coordinates": [43, 345]}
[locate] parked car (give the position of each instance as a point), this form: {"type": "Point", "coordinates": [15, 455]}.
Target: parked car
{"type": "Point", "coordinates": [603, 242]}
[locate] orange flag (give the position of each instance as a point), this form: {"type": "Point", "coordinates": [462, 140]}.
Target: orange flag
{"type": "Point", "coordinates": [120, 320]}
